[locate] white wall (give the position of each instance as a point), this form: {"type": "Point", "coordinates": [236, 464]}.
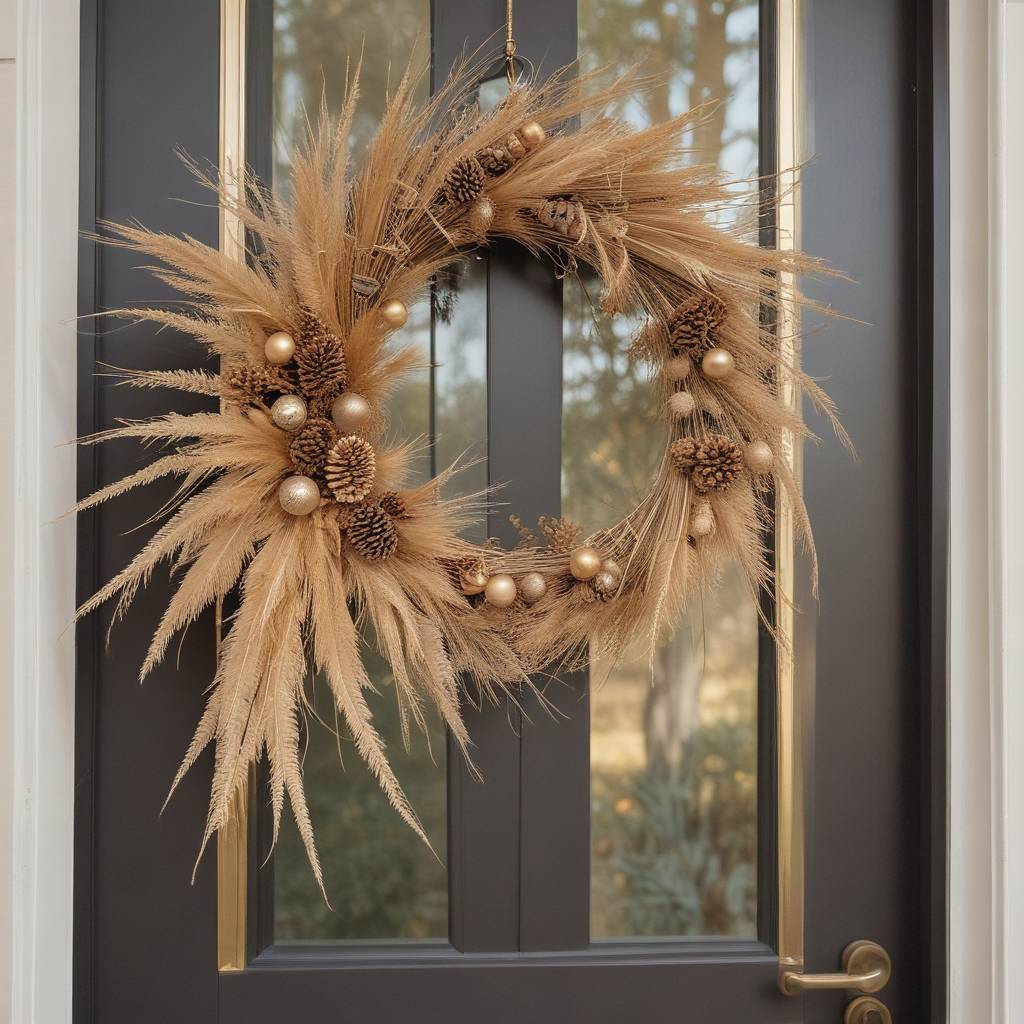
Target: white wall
{"type": "Point", "coordinates": [38, 244]}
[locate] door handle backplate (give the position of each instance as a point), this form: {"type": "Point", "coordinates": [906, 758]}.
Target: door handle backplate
{"type": "Point", "coordinates": [866, 968]}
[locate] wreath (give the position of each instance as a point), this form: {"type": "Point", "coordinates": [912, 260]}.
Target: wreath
{"type": "Point", "coordinates": [293, 495]}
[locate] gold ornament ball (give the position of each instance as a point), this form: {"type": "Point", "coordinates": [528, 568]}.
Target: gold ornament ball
{"type": "Point", "coordinates": [395, 313]}
{"type": "Point", "coordinates": [610, 565]}
{"type": "Point", "coordinates": [288, 412]}
{"type": "Point", "coordinates": [759, 457]}
{"type": "Point", "coordinates": [717, 364]}
{"type": "Point", "coordinates": [481, 215]}
{"type": "Point", "coordinates": [532, 134]}
{"type": "Point", "coordinates": [682, 404]}
{"type": "Point", "coordinates": [584, 563]}
{"type": "Point", "coordinates": [678, 368]}
{"type": "Point", "coordinates": [605, 583]}
{"type": "Point", "coordinates": [533, 587]}
{"type": "Point", "coordinates": [298, 495]}
{"type": "Point", "coordinates": [500, 590]}
{"type": "Point", "coordinates": [350, 412]}
{"type": "Point", "coordinates": [473, 581]}
{"type": "Point", "coordinates": [279, 348]}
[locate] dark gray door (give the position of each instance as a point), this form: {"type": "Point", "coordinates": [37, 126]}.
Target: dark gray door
{"type": "Point", "coordinates": [578, 886]}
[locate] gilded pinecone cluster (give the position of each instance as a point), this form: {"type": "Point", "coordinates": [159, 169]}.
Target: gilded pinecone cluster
{"type": "Point", "coordinates": [694, 325]}
{"type": "Point", "coordinates": [310, 446]}
{"type": "Point", "coordinates": [350, 468]}
{"type": "Point", "coordinates": [712, 463]}
{"type": "Point", "coordinates": [564, 215]}
{"type": "Point", "coordinates": [495, 160]}
{"type": "Point", "coordinates": [249, 384]}
{"type": "Point", "coordinates": [465, 181]}
{"type": "Point", "coordinates": [320, 359]}
{"type": "Point", "coordinates": [370, 529]}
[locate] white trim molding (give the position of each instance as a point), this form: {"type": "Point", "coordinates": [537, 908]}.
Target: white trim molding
{"type": "Point", "coordinates": [37, 588]}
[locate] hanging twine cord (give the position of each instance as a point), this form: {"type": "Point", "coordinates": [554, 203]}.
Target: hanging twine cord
{"type": "Point", "coordinates": [510, 46]}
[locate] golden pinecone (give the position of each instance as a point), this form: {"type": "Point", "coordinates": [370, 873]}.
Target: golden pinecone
{"type": "Point", "coordinates": [712, 462]}
{"type": "Point", "coordinates": [249, 383]}
{"type": "Point", "coordinates": [371, 531]}
{"type": "Point", "coordinates": [350, 468]}
{"type": "Point", "coordinates": [566, 216]}
{"type": "Point", "coordinates": [465, 181]}
{"type": "Point", "coordinates": [495, 160]}
{"type": "Point", "coordinates": [309, 447]}
{"type": "Point", "coordinates": [562, 534]}
{"type": "Point", "coordinates": [694, 325]}
{"type": "Point", "coordinates": [320, 358]}
{"type": "Point", "coordinates": [394, 504]}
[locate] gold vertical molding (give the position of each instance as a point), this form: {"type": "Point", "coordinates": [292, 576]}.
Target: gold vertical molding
{"type": "Point", "coordinates": [232, 839]}
{"type": "Point", "coordinates": [791, 733]}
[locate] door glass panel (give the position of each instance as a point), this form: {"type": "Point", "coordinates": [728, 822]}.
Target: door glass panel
{"type": "Point", "coordinates": [383, 883]}
{"type": "Point", "coordinates": [673, 758]}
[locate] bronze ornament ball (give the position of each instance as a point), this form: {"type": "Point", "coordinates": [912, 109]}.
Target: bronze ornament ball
{"type": "Point", "coordinates": [298, 495]}
{"type": "Point", "coordinates": [500, 590]}
{"type": "Point", "coordinates": [350, 412]}
{"type": "Point", "coordinates": [584, 563]}
{"type": "Point", "coordinates": [279, 348]}
{"type": "Point", "coordinates": [395, 313]}
{"type": "Point", "coordinates": [759, 457]}
{"type": "Point", "coordinates": [533, 587]}
{"type": "Point", "coordinates": [717, 364]}
{"type": "Point", "coordinates": [473, 581]}
{"type": "Point", "coordinates": [288, 413]}
{"type": "Point", "coordinates": [610, 565]}
{"type": "Point", "coordinates": [532, 134]}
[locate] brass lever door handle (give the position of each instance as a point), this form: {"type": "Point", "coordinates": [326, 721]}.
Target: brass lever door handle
{"type": "Point", "coordinates": [866, 968]}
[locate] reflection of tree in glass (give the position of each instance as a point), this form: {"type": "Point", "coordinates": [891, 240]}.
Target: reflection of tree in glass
{"type": "Point", "coordinates": [318, 42]}
{"type": "Point", "coordinates": [382, 881]}
{"type": "Point", "coordinates": [673, 841]}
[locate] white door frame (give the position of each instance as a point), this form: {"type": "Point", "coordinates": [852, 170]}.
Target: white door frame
{"type": "Point", "coordinates": [38, 285]}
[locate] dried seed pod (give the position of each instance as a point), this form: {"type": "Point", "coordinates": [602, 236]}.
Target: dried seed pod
{"type": "Point", "coordinates": [495, 160]}
{"type": "Point", "coordinates": [308, 449]}
{"type": "Point", "coordinates": [249, 383]}
{"type": "Point", "coordinates": [394, 504]}
{"type": "Point", "coordinates": [371, 532]}
{"type": "Point", "coordinates": [712, 463]}
{"type": "Point", "coordinates": [695, 324]}
{"type": "Point", "coordinates": [465, 181]}
{"type": "Point", "coordinates": [350, 468]}
{"type": "Point", "coordinates": [321, 361]}
{"type": "Point", "coordinates": [562, 534]}
{"type": "Point", "coordinates": [566, 216]}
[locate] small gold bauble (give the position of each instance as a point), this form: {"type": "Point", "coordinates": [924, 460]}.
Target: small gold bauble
{"type": "Point", "coordinates": [682, 404]}
{"type": "Point", "coordinates": [500, 590]}
{"type": "Point", "coordinates": [279, 348]}
{"type": "Point", "coordinates": [288, 412]}
{"type": "Point", "coordinates": [395, 313]}
{"type": "Point", "coordinates": [532, 134]}
{"type": "Point", "coordinates": [678, 367]}
{"type": "Point", "coordinates": [533, 587]}
{"type": "Point", "coordinates": [481, 215]}
{"type": "Point", "coordinates": [717, 364]}
{"type": "Point", "coordinates": [298, 495]}
{"type": "Point", "coordinates": [605, 584]}
{"type": "Point", "coordinates": [473, 581]}
{"type": "Point", "coordinates": [610, 565]}
{"type": "Point", "coordinates": [584, 563]}
{"type": "Point", "coordinates": [350, 412]}
{"type": "Point", "coordinates": [759, 457]}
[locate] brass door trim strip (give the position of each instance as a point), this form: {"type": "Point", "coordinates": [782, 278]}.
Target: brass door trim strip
{"type": "Point", "coordinates": [232, 840]}
{"type": "Point", "coordinates": [791, 734]}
